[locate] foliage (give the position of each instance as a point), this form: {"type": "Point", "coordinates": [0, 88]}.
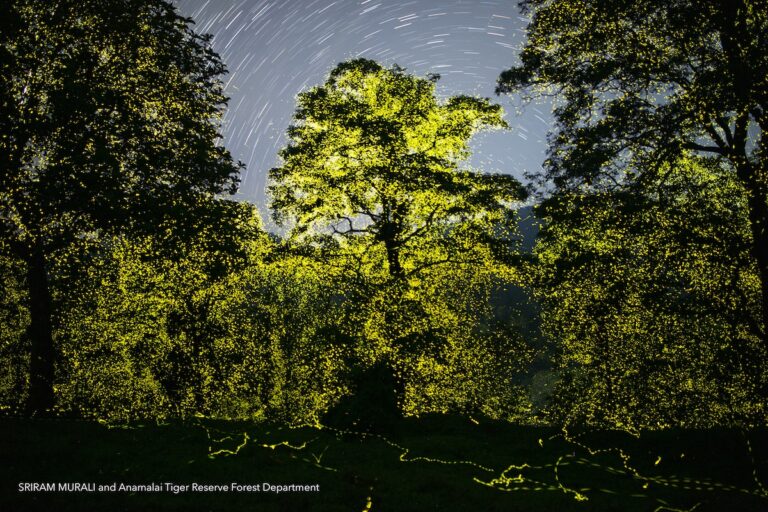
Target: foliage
{"type": "Point", "coordinates": [449, 350]}
{"type": "Point", "coordinates": [373, 159]}
{"type": "Point", "coordinates": [136, 337]}
{"type": "Point", "coordinates": [639, 83]}
{"type": "Point", "coordinates": [14, 342]}
{"type": "Point", "coordinates": [645, 77]}
{"type": "Point", "coordinates": [654, 299]}
{"type": "Point", "coordinates": [110, 115]}
{"type": "Point", "coordinates": [112, 107]}
{"type": "Point", "coordinates": [281, 317]}
{"type": "Point", "coordinates": [146, 335]}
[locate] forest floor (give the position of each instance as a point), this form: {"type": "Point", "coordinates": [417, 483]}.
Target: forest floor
{"type": "Point", "coordinates": [433, 463]}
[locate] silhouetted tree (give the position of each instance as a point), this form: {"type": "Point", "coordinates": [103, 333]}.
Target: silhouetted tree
{"type": "Point", "coordinates": [109, 122]}
{"type": "Point", "coordinates": [641, 82]}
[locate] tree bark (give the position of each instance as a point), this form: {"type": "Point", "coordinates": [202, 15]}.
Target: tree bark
{"type": "Point", "coordinates": [40, 398]}
{"type": "Point", "coordinates": [390, 234]}
{"type": "Point", "coordinates": [393, 258]}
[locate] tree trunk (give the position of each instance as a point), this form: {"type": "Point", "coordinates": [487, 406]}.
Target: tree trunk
{"type": "Point", "coordinates": [758, 219]}
{"type": "Point", "coordinates": [379, 387]}
{"type": "Point", "coordinates": [393, 258]}
{"type": "Point", "coordinates": [40, 398]}
{"type": "Point", "coordinates": [389, 234]}
{"type": "Point", "coordinates": [757, 203]}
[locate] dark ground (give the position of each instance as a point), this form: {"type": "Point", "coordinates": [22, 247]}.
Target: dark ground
{"type": "Point", "coordinates": [435, 463]}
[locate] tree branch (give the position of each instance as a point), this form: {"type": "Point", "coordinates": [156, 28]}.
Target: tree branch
{"type": "Point", "coordinates": [708, 149]}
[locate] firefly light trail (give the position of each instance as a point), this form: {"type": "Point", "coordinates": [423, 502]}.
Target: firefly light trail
{"type": "Point", "coordinates": [517, 477]}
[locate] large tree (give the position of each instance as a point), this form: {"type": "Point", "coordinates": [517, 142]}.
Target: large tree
{"type": "Point", "coordinates": [372, 178]}
{"type": "Point", "coordinates": [638, 83]}
{"type": "Point", "coordinates": [109, 118]}
{"type": "Point", "coordinates": [374, 158]}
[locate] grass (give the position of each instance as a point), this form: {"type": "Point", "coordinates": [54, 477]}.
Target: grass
{"type": "Point", "coordinates": [433, 463]}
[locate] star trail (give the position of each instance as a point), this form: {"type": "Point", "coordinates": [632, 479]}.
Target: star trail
{"type": "Point", "coordinates": [275, 49]}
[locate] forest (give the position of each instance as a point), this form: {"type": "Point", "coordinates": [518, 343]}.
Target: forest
{"type": "Point", "coordinates": [569, 338]}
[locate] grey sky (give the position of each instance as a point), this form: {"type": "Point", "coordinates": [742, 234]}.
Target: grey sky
{"type": "Point", "coordinates": [276, 48]}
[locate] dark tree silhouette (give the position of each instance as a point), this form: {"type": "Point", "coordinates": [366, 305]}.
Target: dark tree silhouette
{"type": "Point", "coordinates": [109, 115]}
{"type": "Point", "coordinates": [642, 82]}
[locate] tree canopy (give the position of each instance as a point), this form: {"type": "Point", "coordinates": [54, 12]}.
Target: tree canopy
{"type": "Point", "coordinates": [374, 158]}
{"type": "Point", "coordinates": [639, 83]}
{"type": "Point", "coordinates": [110, 122]}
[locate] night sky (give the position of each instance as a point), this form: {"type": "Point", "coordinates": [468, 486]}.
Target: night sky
{"type": "Point", "coordinates": [276, 48]}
